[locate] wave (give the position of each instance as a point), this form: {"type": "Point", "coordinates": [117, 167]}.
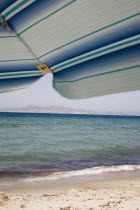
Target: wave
{"type": "Point", "coordinates": [84, 172]}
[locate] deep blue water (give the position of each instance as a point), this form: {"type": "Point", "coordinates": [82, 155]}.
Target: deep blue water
{"type": "Point", "coordinates": [38, 144]}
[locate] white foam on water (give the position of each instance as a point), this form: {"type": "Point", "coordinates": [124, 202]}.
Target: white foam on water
{"type": "Point", "coordinates": [84, 172]}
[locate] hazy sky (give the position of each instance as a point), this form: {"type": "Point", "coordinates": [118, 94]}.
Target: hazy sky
{"type": "Point", "coordinates": [42, 94]}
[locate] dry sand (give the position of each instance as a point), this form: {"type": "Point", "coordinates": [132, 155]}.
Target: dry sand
{"type": "Point", "coordinates": [99, 194]}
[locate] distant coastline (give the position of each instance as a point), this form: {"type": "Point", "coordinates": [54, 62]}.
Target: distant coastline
{"type": "Point", "coordinates": [64, 110]}
{"type": "Point", "coordinates": [73, 114]}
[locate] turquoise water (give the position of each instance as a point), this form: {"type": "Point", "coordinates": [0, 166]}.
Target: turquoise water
{"type": "Point", "coordinates": [33, 145]}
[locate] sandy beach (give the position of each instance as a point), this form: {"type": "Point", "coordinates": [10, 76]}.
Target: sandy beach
{"type": "Point", "coordinates": [97, 194]}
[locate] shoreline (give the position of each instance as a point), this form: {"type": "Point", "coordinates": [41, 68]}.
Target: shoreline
{"type": "Point", "coordinates": [71, 177]}
{"type": "Point", "coordinates": [95, 194]}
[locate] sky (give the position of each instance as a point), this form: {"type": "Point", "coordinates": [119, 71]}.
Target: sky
{"type": "Point", "coordinates": [42, 94]}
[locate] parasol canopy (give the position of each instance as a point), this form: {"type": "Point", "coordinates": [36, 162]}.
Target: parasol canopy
{"type": "Point", "coordinates": [91, 47]}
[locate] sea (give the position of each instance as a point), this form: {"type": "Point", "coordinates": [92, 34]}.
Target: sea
{"type": "Point", "coordinates": [63, 148]}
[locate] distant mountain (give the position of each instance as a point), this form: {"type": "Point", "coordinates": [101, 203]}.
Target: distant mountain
{"type": "Point", "coordinates": [49, 109]}
{"type": "Point", "coordinates": [63, 110]}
